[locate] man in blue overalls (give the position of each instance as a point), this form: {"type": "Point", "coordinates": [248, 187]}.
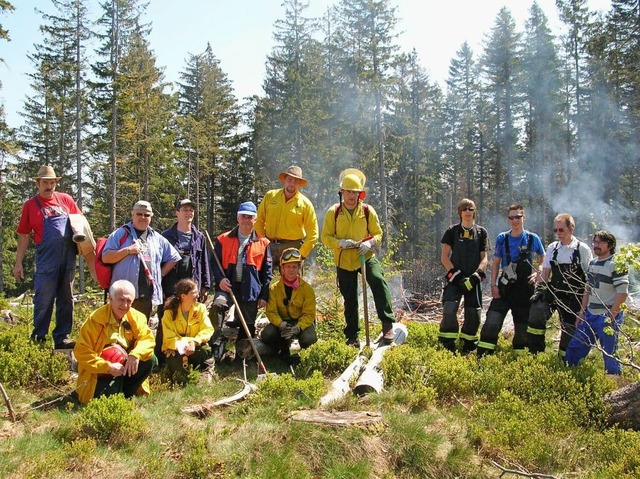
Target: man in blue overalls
{"type": "Point", "coordinates": [47, 216]}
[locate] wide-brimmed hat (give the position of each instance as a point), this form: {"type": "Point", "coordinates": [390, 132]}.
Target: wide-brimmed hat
{"type": "Point", "coordinates": [46, 173]}
{"type": "Point", "coordinates": [295, 172]}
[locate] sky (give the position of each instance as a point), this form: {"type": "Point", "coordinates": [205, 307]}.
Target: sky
{"type": "Point", "coordinates": [241, 35]}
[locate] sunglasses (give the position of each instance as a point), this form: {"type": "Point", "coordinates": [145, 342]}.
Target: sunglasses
{"type": "Point", "coordinates": [468, 208]}
{"type": "Point", "coordinates": [143, 215]}
{"type": "Point", "coordinates": [126, 325]}
{"type": "Point", "coordinates": [290, 253]}
{"type": "Point", "coordinates": [247, 216]}
{"type": "Point", "coordinates": [515, 217]}
{"type": "Point", "coordinates": [558, 230]}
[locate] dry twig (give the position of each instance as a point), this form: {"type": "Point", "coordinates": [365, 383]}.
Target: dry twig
{"type": "Point", "coordinates": [7, 401]}
{"type": "Point", "coordinates": [534, 475]}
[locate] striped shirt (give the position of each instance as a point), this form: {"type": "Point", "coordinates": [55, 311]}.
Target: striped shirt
{"type": "Point", "coordinates": [605, 283]}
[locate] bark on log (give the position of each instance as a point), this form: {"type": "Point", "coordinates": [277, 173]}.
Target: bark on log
{"type": "Point", "coordinates": [338, 418]}
{"type": "Point", "coordinates": [625, 406]}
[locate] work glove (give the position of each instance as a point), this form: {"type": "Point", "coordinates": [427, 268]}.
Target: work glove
{"type": "Point", "coordinates": [365, 246]}
{"type": "Point", "coordinates": [291, 333]}
{"type": "Point", "coordinates": [454, 275]}
{"type": "Point", "coordinates": [284, 328]}
{"type": "Point", "coordinates": [539, 294]}
{"type": "Point", "coordinates": [347, 244]}
{"type": "Point", "coordinates": [467, 284]}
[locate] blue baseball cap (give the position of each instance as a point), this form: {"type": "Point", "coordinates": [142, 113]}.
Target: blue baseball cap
{"type": "Point", "coordinates": [248, 208]}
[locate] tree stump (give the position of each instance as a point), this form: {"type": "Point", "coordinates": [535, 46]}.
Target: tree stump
{"type": "Point", "coordinates": [625, 406]}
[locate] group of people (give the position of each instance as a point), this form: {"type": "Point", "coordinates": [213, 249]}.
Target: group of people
{"type": "Point", "coordinates": [174, 271]}
{"type": "Point", "coordinates": [586, 291]}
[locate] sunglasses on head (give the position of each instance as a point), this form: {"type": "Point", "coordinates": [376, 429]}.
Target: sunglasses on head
{"type": "Point", "coordinates": [515, 217]}
{"type": "Point", "coordinates": [468, 208]}
{"type": "Point", "coordinates": [143, 215]}
{"type": "Point", "coordinates": [290, 253]}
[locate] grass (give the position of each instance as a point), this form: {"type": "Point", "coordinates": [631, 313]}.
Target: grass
{"type": "Point", "coordinates": [444, 416]}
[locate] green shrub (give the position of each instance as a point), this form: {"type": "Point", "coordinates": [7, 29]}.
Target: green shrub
{"type": "Point", "coordinates": [196, 460]}
{"type": "Point", "coordinates": [422, 335]}
{"type": "Point", "coordinates": [80, 453]}
{"type": "Point", "coordinates": [109, 419]}
{"type": "Point", "coordinates": [536, 436]}
{"type": "Point", "coordinates": [25, 364]}
{"type": "Point", "coordinates": [450, 375]}
{"type": "Point", "coordinates": [542, 378]}
{"type": "Point", "coordinates": [285, 387]}
{"type": "Point", "coordinates": [613, 454]}
{"type": "Point", "coordinates": [329, 357]}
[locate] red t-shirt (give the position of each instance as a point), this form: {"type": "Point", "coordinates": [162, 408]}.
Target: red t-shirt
{"type": "Point", "coordinates": [32, 219]}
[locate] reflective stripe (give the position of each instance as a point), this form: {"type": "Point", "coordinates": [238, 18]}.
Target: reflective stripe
{"type": "Point", "coordinates": [448, 335]}
{"type": "Point", "coordinates": [486, 345]}
{"type": "Point", "coordinates": [469, 337]}
{"type": "Point", "coordinates": [537, 332]}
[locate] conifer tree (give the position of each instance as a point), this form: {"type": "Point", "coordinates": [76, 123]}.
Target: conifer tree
{"type": "Point", "coordinates": [208, 116]}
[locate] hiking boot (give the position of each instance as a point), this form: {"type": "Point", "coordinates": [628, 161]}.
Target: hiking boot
{"type": "Point", "coordinates": [66, 343]}
{"type": "Point", "coordinates": [387, 333]}
{"type": "Point", "coordinates": [354, 342]}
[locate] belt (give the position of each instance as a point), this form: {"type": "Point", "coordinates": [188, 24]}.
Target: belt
{"type": "Point", "coordinates": [279, 240]}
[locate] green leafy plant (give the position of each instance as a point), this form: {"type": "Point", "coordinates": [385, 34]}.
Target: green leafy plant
{"type": "Point", "coordinates": [109, 419]}
{"type": "Point", "coordinates": [329, 357]}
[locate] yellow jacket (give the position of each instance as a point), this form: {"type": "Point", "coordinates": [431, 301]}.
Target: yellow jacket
{"type": "Point", "coordinates": [197, 328]}
{"type": "Point", "coordinates": [288, 220]}
{"type": "Point", "coordinates": [302, 306]}
{"type": "Point", "coordinates": [348, 226]}
{"type": "Point", "coordinates": [92, 340]}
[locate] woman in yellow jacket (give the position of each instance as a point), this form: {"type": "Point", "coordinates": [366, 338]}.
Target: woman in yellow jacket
{"type": "Point", "coordinates": [187, 329]}
{"type": "Point", "coordinates": [113, 324]}
{"type": "Point", "coordinates": [291, 308]}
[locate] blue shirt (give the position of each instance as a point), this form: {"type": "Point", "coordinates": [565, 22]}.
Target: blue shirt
{"type": "Point", "coordinates": [516, 245]}
{"type": "Point", "coordinates": [160, 251]}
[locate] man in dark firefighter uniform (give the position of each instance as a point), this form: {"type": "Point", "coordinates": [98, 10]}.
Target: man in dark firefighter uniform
{"type": "Point", "coordinates": [561, 287]}
{"type": "Point", "coordinates": [514, 258]}
{"type": "Point", "coordinates": [464, 256]}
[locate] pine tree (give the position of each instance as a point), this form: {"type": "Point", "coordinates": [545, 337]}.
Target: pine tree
{"type": "Point", "coordinates": [208, 119]}
{"type": "Point", "coordinates": [119, 20]}
{"type": "Point", "coordinates": [366, 37]}
{"type": "Point", "coordinates": [502, 63]}
{"type": "Point", "coordinates": [542, 86]}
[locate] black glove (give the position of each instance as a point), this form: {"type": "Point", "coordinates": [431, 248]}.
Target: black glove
{"type": "Point", "coordinates": [482, 274]}
{"type": "Point", "coordinates": [539, 294]}
{"type": "Point", "coordinates": [467, 284]}
{"type": "Point", "coordinates": [454, 275]}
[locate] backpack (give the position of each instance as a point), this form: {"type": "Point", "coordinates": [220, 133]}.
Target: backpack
{"type": "Point", "coordinates": [103, 270]}
{"type": "Point", "coordinates": [338, 206]}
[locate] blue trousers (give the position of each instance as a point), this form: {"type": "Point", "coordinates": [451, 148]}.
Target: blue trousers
{"type": "Point", "coordinates": [599, 327]}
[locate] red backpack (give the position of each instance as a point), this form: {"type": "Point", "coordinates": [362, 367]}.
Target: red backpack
{"type": "Point", "coordinates": [103, 270]}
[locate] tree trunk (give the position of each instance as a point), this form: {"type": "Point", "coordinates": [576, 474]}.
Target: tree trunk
{"type": "Point", "coordinates": [625, 406]}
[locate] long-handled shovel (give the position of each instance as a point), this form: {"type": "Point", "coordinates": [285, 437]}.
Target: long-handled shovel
{"type": "Point", "coordinates": [363, 270]}
{"type": "Point", "coordinates": [261, 366]}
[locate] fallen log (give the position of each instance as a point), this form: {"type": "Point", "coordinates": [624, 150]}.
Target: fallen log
{"type": "Point", "coordinates": [342, 385]}
{"type": "Point", "coordinates": [625, 406]}
{"type": "Point", "coordinates": [205, 409]}
{"type": "Point", "coordinates": [337, 418]}
{"type": "Point", "coordinates": [371, 379]}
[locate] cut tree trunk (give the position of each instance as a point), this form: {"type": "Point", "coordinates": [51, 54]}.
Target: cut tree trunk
{"type": "Point", "coordinates": [625, 406]}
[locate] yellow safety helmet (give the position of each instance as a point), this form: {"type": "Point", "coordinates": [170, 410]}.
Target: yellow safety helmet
{"type": "Point", "coordinates": [352, 179]}
{"type": "Point", "coordinates": [290, 255]}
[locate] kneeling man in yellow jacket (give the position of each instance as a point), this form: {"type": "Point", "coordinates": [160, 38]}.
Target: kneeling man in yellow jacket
{"type": "Point", "coordinates": [114, 348]}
